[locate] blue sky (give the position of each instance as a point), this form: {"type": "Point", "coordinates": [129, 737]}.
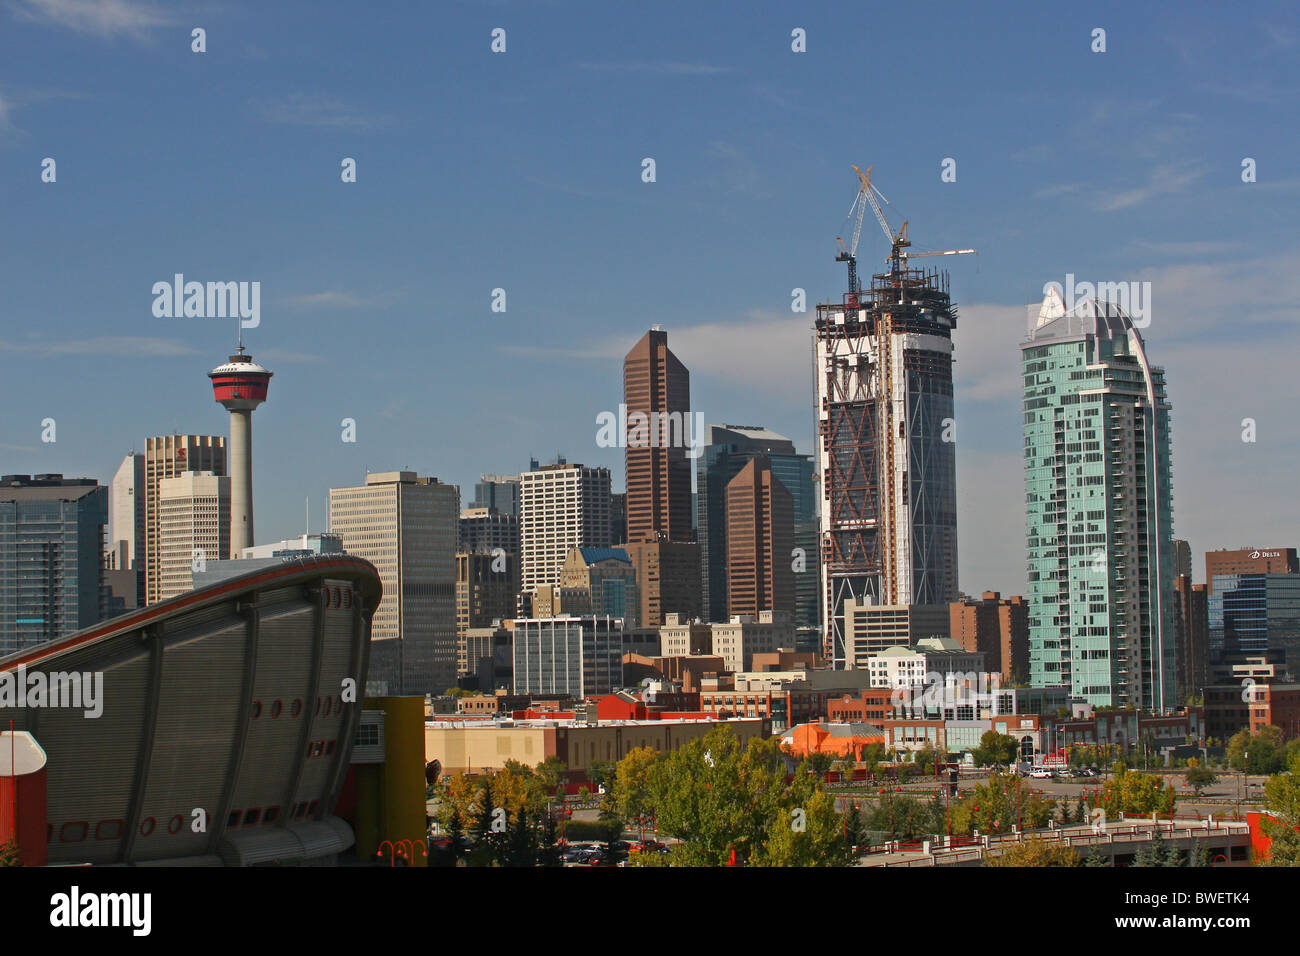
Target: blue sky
{"type": "Point", "coordinates": [522, 171]}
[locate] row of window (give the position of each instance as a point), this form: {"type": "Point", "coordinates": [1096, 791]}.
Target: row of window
{"type": "Point", "coordinates": [325, 707]}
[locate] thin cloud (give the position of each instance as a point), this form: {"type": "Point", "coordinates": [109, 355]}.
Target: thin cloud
{"type": "Point", "coordinates": [120, 346]}
{"type": "Point", "coordinates": [1163, 180]}
{"type": "Point", "coordinates": [317, 110]}
{"type": "Point", "coordinates": [103, 18]}
{"type": "Point", "coordinates": [336, 299]}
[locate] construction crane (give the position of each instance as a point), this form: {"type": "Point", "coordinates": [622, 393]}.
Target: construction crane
{"type": "Point", "coordinates": [898, 241]}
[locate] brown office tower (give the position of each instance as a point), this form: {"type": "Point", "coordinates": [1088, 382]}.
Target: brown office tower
{"type": "Point", "coordinates": [169, 456]}
{"type": "Point", "coordinates": [996, 627]}
{"type": "Point", "coordinates": [1249, 561]}
{"type": "Point", "coordinates": [1192, 632]}
{"type": "Point", "coordinates": [657, 393]}
{"type": "Point", "coordinates": [760, 541]}
{"type": "Point", "coordinates": [668, 578]}
{"type": "Point", "coordinates": [660, 538]}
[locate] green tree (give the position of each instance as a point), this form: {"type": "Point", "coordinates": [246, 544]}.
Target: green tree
{"type": "Point", "coordinates": [1130, 791]}
{"type": "Point", "coordinates": [904, 817]}
{"type": "Point", "coordinates": [601, 773]}
{"type": "Point", "coordinates": [1033, 852]}
{"type": "Point", "coordinates": [995, 806]}
{"type": "Point", "coordinates": [925, 759]}
{"type": "Point", "coordinates": [631, 796]}
{"type": "Point", "coordinates": [1198, 778]}
{"type": "Point", "coordinates": [995, 749]}
{"type": "Point", "coordinates": [1282, 798]}
{"type": "Point", "coordinates": [719, 798]}
{"type": "Point", "coordinates": [1096, 858]}
{"type": "Point", "coordinates": [1257, 753]}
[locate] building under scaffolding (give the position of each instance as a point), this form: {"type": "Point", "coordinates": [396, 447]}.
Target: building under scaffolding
{"type": "Point", "coordinates": [886, 450]}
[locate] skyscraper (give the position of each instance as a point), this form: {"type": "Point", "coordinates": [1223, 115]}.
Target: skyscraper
{"type": "Point", "coordinates": [194, 528]}
{"type": "Point", "coordinates": [760, 535]}
{"type": "Point", "coordinates": [657, 393]}
{"type": "Point", "coordinates": [886, 455]}
{"type": "Point", "coordinates": [1098, 511]}
{"type": "Point", "coordinates": [660, 532]}
{"type": "Point", "coordinates": [405, 526]}
{"type": "Point", "coordinates": [51, 558]}
{"type": "Point", "coordinates": [727, 449]}
{"type": "Point", "coordinates": [126, 520]}
{"type": "Point", "coordinates": [166, 457]}
{"type": "Point", "coordinates": [561, 507]}
{"type": "Point", "coordinates": [500, 492]}
{"type": "Point", "coordinates": [240, 386]}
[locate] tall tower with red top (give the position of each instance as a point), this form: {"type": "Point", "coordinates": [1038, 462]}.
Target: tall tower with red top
{"type": "Point", "coordinates": [240, 385]}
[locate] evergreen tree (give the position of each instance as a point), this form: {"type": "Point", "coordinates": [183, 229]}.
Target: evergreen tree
{"type": "Point", "coordinates": [1096, 858]}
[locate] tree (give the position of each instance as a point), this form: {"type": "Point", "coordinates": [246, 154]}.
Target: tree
{"type": "Point", "coordinates": [631, 796]}
{"type": "Point", "coordinates": [1282, 797]}
{"type": "Point", "coordinates": [9, 855]}
{"type": "Point", "coordinates": [601, 773]}
{"type": "Point", "coordinates": [995, 749]}
{"type": "Point", "coordinates": [995, 806]}
{"type": "Point", "coordinates": [904, 818]}
{"type": "Point", "coordinates": [1096, 858]}
{"type": "Point", "coordinates": [1157, 852]}
{"type": "Point", "coordinates": [720, 798]}
{"type": "Point", "coordinates": [925, 759]}
{"type": "Point", "coordinates": [1033, 852]}
{"type": "Point", "coordinates": [1129, 791]}
{"type": "Point", "coordinates": [1198, 778]}
{"type": "Point", "coordinates": [1257, 753]}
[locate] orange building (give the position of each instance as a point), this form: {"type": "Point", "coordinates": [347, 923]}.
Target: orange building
{"type": "Point", "coordinates": [836, 740]}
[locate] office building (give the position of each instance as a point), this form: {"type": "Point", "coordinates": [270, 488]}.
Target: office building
{"type": "Point", "coordinates": [51, 558]}
{"type": "Point", "coordinates": [886, 453]}
{"type": "Point", "coordinates": [872, 628]}
{"type": "Point", "coordinates": [738, 640]}
{"type": "Point", "coordinates": [658, 438]}
{"type": "Point", "coordinates": [727, 450]}
{"type": "Point", "coordinates": [1099, 518]}
{"type": "Point", "coordinates": [1192, 624]}
{"type": "Point", "coordinates": [405, 525]}
{"type": "Point", "coordinates": [667, 578]}
{"type": "Point", "coordinates": [126, 525]}
{"type": "Point", "coordinates": [194, 528]}
{"type": "Point", "coordinates": [487, 587]}
{"type": "Point", "coordinates": [1249, 561]}
{"type": "Point", "coordinates": [485, 530]}
{"type": "Point", "coordinates": [657, 396]}
{"type": "Point", "coordinates": [561, 507]}
{"type": "Point", "coordinates": [607, 575]}
{"type": "Point", "coordinates": [1254, 613]}
{"type": "Point", "coordinates": [760, 542]}
{"type": "Point", "coordinates": [573, 656]}
{"type": "Point", "coordinates": [298, 547]}
{"type": "Point", "coordinates": [168, 456]}
{"type": "Point", "coordinates": [996, 627]}
{"type": "Point", "coordinates": [498, 493]}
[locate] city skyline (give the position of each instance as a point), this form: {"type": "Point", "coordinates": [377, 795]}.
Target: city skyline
{"type": "Point", "coordinates": [1138, 217]}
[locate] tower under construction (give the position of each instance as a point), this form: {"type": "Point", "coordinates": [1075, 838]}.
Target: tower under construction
{"type": "Point", "coordinates": [886, 450]}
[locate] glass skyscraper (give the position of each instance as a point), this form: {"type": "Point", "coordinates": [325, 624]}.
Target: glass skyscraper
{"type": "Point", "coordinates": [1098, 509]}
{"type": "Point", "coordinates": [51, 558]}
{"type": "Point", "coordinates": [727, 450]}
{"type": "Point", "coordinates": [1254, 613]}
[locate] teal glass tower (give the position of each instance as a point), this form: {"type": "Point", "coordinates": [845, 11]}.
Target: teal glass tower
{"type": "Point", "coordinates": [1098, 509]}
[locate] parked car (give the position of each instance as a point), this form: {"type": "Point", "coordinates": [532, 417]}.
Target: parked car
{"type": "Point", "coordinates": [1042, 773]}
